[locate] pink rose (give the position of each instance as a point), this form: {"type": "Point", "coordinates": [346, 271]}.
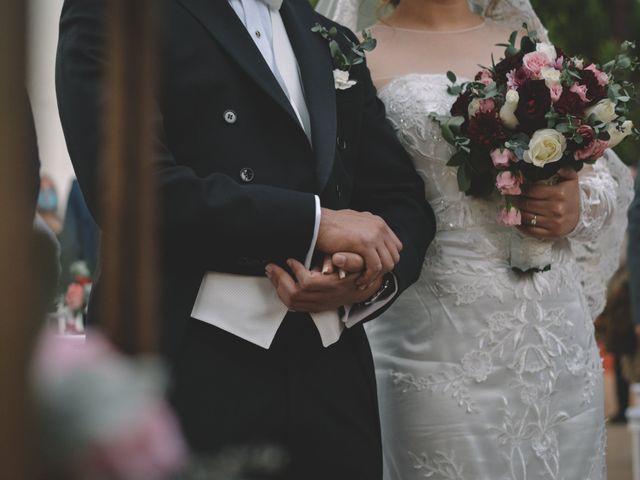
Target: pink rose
{"type": "Point", "coordinates": [487, 106]}
{"type": "Point", "coordinates": [502, 158]}
{"type": "Point", "coordinates": [559, 64]}
{"type": "Point", "coordinates": [603, 78]}
{"type": "Point", "coordinates": [484, 76]}
{"type": "Point", "coordinates": [593, 151]}
{"type": "Point", "coordinates": [581, 91]}
{"type": "Point", "coordinates": [75, 297]}
{"type": "Point", "coordinates": [510, 216]}
{"type": "Point", "coordinates": [556, 92]}
{"type": "Point", "coordinates": [535, 62]}
{"type": "Point", "coordinates": [508, 184]}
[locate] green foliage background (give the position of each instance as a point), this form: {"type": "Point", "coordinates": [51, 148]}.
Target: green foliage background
{"type": "Point", "coordinates": [593, 29]}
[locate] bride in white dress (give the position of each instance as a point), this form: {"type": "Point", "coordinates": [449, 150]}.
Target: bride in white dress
{"type": "Point", "coordinates": [484, 373]}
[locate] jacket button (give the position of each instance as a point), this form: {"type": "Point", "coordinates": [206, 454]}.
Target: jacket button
{"type": "Point", "coordinates": [230, 117]}
{"type": "Point", "coordinates": [247, 175]}
{"type": "Point", "coordinates": [342, 143]}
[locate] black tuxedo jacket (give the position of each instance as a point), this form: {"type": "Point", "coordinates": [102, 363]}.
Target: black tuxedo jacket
{"type": "Point", "coordinates": [235, 170]}
{"type": "Point", "coordinates": [237, 178]}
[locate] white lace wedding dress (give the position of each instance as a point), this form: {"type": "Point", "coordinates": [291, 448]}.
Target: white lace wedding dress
{"type": "Point", "coordinates": [484, 373]}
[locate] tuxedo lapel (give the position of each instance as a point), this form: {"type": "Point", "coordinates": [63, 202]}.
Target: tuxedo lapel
{"type": "Point", "coordinates": [223, 24]}
{"type": "Point", "coordinates": [316, 67]}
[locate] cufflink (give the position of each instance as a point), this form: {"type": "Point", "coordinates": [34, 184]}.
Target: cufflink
{"type": "Point", "coordinates": [247, 175]}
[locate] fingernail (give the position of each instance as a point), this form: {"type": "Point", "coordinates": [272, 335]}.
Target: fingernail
{"type": "Point", "coordinates": [339, 260]}
{"type": "Point", "coordinates": [290, 262]}
{"type": "Point", "coordinates": [268, 272]}
{"type": "Point", "coordinates": [342, 274]}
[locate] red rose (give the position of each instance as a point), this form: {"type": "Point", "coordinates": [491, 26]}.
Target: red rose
{"type": "Point", "coordinates": [534, 104]}
{"type": "Point", "coordinates": [570, 103]}
{"type": "Point", "coordinates": [486, 130]}
{"type": "Point", "coordinates": [461, 106]}
{"type": "Point", "coordinates": [507, 65]}
{"type": "Point", "coordinates": [595, 91]}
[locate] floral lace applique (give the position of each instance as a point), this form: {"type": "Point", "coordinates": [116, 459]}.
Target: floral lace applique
{"type": "Point", "coordinates": [437, 466]}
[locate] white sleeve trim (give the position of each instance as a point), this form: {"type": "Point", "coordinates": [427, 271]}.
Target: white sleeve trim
{"type": "Point", "coordinates": [316, 230]}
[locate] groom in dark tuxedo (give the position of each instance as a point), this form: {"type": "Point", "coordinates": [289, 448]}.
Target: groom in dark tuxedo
{"type": "Point", "coordinates": [266, 165]}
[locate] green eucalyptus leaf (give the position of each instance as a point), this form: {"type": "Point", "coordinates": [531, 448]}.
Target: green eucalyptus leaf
{"type": "Point", "coordinates": [513, 37]}
{"type": "Point", "coordinates": [464, 177]}
{"type": "Point", "coordinates": [452, 77]}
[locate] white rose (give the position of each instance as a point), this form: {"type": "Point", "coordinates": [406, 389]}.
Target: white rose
{"type": "Point", "coordinates": [618, 135]}
{"type": "Point", "coordinates": [604, 111]}
{"type": "Point", "coordinates": [548, 50]}
{"type": "Point", "coordinates": [546, 146]}
{"type": "Point", "coordinates": [579, 62]}
{"type": "Point", "coordinates": [551, 76]}
{"type": "Point", "coordinates": [507, 112]}
{"type": "Point", "coordinates": [341, 79]}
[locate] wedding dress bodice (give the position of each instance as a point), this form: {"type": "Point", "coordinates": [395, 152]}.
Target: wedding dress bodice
{"type": "Point", "coordinates": [469, 233]}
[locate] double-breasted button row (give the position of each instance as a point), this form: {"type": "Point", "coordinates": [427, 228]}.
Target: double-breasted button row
{"type": "Point", "coordinates": [342, 143]}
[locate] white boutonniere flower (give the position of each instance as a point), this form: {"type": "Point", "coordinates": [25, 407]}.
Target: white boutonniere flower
{"type": "Point", "coordinates": [341, 79]}
{"type": "Point", "coordinates": [342, 62]}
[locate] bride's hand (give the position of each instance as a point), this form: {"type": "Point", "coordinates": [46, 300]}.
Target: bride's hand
{"type": "Point", "coordinates": [312, 291]}
{"type": "Point", "coordinates": [550, 211]}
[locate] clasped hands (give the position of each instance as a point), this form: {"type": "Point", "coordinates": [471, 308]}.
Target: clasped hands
{"type": "Point", "coordinates": [360, 244]}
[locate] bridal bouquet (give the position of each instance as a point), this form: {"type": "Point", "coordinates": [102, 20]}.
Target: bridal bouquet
{"type": "Point", "coordinates": [536, 111]}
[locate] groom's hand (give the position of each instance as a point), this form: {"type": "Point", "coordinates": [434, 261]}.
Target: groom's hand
{"type": "Point", "coordinates": [313, 292]}
{"type": "Point", "coordinates": [364, 234]}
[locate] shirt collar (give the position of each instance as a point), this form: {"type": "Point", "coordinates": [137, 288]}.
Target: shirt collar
{"type": "Point", "coordinates": [273, 4]}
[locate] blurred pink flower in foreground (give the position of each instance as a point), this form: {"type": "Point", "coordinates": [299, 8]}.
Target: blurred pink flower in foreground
{"type": "Point", "coordinates": [103, 414]}
{"type": "Point", "coordinates": [149, 449]}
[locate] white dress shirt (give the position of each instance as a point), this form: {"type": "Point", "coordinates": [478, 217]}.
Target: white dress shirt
{"type": "Point", "coordinates": [249, 306]}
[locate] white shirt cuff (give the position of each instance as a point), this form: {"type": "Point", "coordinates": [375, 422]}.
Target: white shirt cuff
{"type": "Point", "coordinates": [314, 240]}
{"type": "Point", "coordinates": [353, 316]}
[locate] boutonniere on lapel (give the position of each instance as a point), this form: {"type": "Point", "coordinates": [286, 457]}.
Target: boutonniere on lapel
{"type": "Point", "coordinates": [342, 62]}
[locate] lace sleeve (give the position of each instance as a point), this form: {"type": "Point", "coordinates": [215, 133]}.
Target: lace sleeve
{"type": "Point", "coordinates": [606, 193]}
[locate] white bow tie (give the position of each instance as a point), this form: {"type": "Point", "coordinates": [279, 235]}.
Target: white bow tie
{"type": "Point", "coordinates": [273, 4]}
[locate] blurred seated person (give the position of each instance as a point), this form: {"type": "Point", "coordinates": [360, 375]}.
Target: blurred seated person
{"type": "Point", "coordinates": [80, 236]}
{"type": "Point", "coordinates": [47, 206]}
{"type": "Point", "coordinates": [46, 247]}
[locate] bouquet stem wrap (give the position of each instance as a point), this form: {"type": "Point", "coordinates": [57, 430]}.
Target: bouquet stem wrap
{"type": "Point", "coordinates": [530, 254]}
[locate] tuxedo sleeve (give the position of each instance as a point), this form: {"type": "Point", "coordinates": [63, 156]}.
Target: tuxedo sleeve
{"type": "Point", "coordinates": [388, 185]}
{"type": "Point", "coordinates": [213, 219]}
